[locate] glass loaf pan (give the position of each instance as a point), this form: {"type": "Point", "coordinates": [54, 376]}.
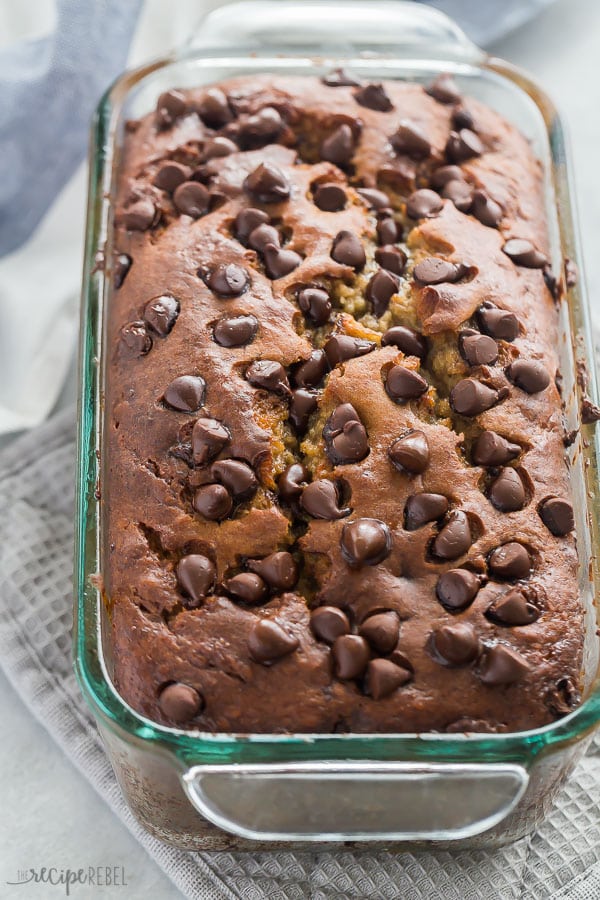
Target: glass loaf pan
{"type": "Point", "coordinates": [213, 791]}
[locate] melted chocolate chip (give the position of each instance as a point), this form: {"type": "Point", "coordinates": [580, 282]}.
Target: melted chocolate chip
{"type": "Point", "coordinates": [391, 258]}
{"type": "Point", "coordinates": [388, 231]}
{"type": "Point", "coordinates": [330, 197]}
{"type": "Point", "coordinates": [292, 482]}
{"type": "Point", "coordinates": [235, 331]}
{"type": "Point", "coordinates": [209, 436]}
{"type": "Point", "coordinates": [502, 665]}
{"type": "Point", "coordinates": [456, 644]}
{"type": "Point", "coordinates": [529, 375]}
{"type": "Point", "coordinates": [404, 384]}
{"type": "Point", "coordinates": [180, 702]}
{"type": "Point", "coordinates": [375, 198]}
{"type": "Point", "coordinates": [460, 193]}
{"type": "Point", "coordinates": [513, 609]}
{"type": "Point", "coordinates": [338, 148]}
{"type": "Point", "coordinates": [491, 449]}
{"type": "Point", "coordinates": [247, 587]}
{"type": "Point", "coordinates": [365, 542]}
{"type": "Point", "coordinates": [315, 304]}
{"type": "Point", "coordinates": [262, 235]}
{"type": "Point", "coordinates": [523, 253]}
{"type": "Point", "coordinates": [135, 340]}
{"type": "Point", "coordinates": [171, 175]}
{"type": "Point", "coordinates": [410, 452]}
{"type": "Point", "coordinates": [160, 314]}
{"type": "Point", "coordinates": [477, 349]}
{"type": "Point", "coordinates": [444, 89]}
{"type": "Point", "coordinates": [169, 107]}
{"type": "Point", "coordinates": [237, 476]}
{"type": "Point", "coordinates": [186, 393]}
{"type": "Point", "coordinates": [381, 288]}
{"type": "Point", "coordinates": [139, 216]}
{"type": "Point", "coordinates": [510, 562]}
{"type": "Point", "coordinates": [381, 631]}
{"type": "Point", "coordinates": [410, 140]}
{"type": "Point", "coordinates": [406, 339]}
{"type": "Point", "coordinates": [312, 371]}
{"type": "Point", "coordinates": [213, 108]}
{"type": "Point", "coordinates": [557, 515]}
{"type": "Point", "coordinates": [340, 347]}
{"type": "Point", "coordinates": [229, 280]}
{"type": "Point", "coordinates": [457, 588]}
{"type": "Point", "coordinates": [348, 250]}
{"type": "Point", "coordinates": [213, 501]}
{"type": "Point", "coordinates": [121, 267]}
{"type": "Point", "coordinates": [278, 262]}
{"type": "Point", "coordinates": [374, 96]}
{"type": "Point", "coordinates": [329, 623]}
{"type": "Point", "coordinates": [218, 147]}
{"type": "Point", "coordinates": [462, 145]}
{"type": "Point", "coordinates": [345, 436]}
{"type": "Point", "coordinates": [321, 501]}
{"type": "Point", "coordinates": [470, 397]}
{"type": "Point", "coordinates": [278, 569]}
{"type": "Point", "coordinates": [454, 538]}
{"type": "Point", "coordinates": [191, 199]}
{"type": "Point", "coordinates": [350, 656]}
{"type": "Point", "coordinates": [303, 403]}
{"type": "Point", "coordinates": [434, 270]}
{"type": "Point", "coordinates": [498, 323]}
{"type": "Point", "coordinates": [507, 492]}
{"type": "Point", "coordinates": [445, 174]}
{"type": "Point", "coordinates": [341, 77]}
{"type": "Point", "coordinates": [196, 577]}
{"type": "Point", "coordinates": [563, 698]}
{"type": "Point", "coordinates": [384, 677]}
{"type": "Point", "coordinates": [247, 220]}
{"type": "Point", "coordinates": [423, 203]}
{"type": "Point", "coordinates": [261, 128]}
{"type": "Point", "coordinates": [462, 118]}
{"type": "Point", "coordinates": [267, 184]}
{"type": "Point", "coordinates": [486, 210]}
{"type": "Point", "coordinates": [423, 508]}
{"type": "Point", "coordinates": [269, 375]}
{"type": "Point", "coordinates": [269, 642]}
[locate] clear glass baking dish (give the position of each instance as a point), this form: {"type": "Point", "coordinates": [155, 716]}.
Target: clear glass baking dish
{"type": "Point", "coordinates": [214, 791]}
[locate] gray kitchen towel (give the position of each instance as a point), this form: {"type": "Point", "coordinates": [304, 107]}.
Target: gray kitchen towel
{"type": "Point", "coordinates": [560, 861]}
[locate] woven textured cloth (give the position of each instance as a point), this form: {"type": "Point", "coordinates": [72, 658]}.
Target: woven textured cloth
{"type": "Point", "coordinates": [562, 860]}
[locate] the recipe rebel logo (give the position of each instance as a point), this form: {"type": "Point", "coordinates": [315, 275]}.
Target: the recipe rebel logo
{"type": "Point", "coordinates": [70, 879]}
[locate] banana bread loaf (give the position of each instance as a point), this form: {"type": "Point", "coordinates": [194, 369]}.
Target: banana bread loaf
{"type": "Point", "coordinates": [335, 487]}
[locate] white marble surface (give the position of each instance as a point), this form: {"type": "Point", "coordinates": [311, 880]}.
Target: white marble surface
{"type": "Point", "coordinates": [49, 815]}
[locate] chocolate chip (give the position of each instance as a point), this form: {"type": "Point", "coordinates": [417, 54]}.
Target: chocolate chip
{"type": "Point", "coordinates": [228, 280]}
{"type": "Point", "coordinates": [135, 340]}
{"type": "Point", "coordinates": [454, 538]}
{"type": "Point", "coordinates": [486, 210]}
{"type": "Point", "coordinates": [348, 250]}
{"type": "Point", "coordinates": [329, 623]}
{"type": "Point", "coordinates": [410, 452]}
{"type": "Point", "coordinates": [470, 397]}
{"type": "Point", "coordinates": [247, 220]}
{"type": "Point", "coordinates": [292, 482]}
{"type": "Point", "coordinates": [213, 108]}
{"type": "Point", "coordinates": [423, 508]}
{"type": "Point", "coordinates": [462, 118]}
{"type": "Point", "coordinates": [390, 258]}
{"type": "Point", "coordinates": [268, 374]}
{"type": "Point", "coordinates": [374, 96]}
{"type": "Point", "coordinates": [444, 89]}
{"type": "Point", "coordinates": [563, 698]}
{"type": "Point", "coordinates": [345, 436]}
{"type": "Point", "coordinates": [365, 542]}
{"type": "Point", "coordinates": [381, 631]}
{"type": "Point", "coordinates": [350, 656]}
{"type": "Point", "coordinates": [457, 588]}
{"type": "Point", "coordinates": [529, 375]}
{"type": "Point", "coordinates": [491, 449]}
{"type": "Point", "coordinates": [510, 562]}
{"type": "Point", "coordinates": [513, 609]}
{"type": "Point", "coordinates": [171, 175]}
{"type": "Point", "coordinates": [121, 267]}
{"type": "Point", "coordinates": [179, 702]}
{"type": "Point", "coordinates": [303, 403]}
{"type": "Point", "coordinates": [374, 198]}
{"type": "Point", "coordinates": [498, 323]}
{"type": "Point", "coordinates": [321, 501]}
{"type": "Point", "coordinates": [237, 476]}
{"type": "Point", "coordinates": [186, 393]}
{"type": "Point", "coordinates": [196, 577]}
{"type": "Point", "coordinates": [462, 145]}
{"type": "Point", "coordinates": [169, 107]}
{"type": "Point", "coordinates": [235, 331]}
{"type": "Point", "coordinates": [269, 642]}
{"type": "Point", "coordinates": [267, 184]}
{"type": "Point", "coordinates": [523, 253]}
{"type": "Point", "coordinates": [340, 347]}
{"type": "Point", "coordinates": [278, 262]}
{"type": "Point", "coordinates": [502, 665]}
{"type": "Point", "coordinates": [139, 216]}
{"type": "Point", "coordinates": [315, 303]}
{"type": "Point", "coordinates": [278, 569]}
{"type": "Point", "coordinates": [460, 193]}
{"type": "Point", "coordinates": [161, 314]}
{"type": "Point", "coordinates": [381, 288]}
{"type": "Point", "coordinates": [209, 436]}
{"type": "Point", "coordinates": [404, 384]}
{"type": "Point", "coordinates": [340, 416]}
{"type": "Point", "coordinates": [218, 147]}
{"type": "Point", "coordinates": [507, 492]}
{"type": "Point", "coordinates": [262, 235]}
{"type": "Point", "coordinates": [557, 515]}
{"type": "Point", "coordinates": [384, 677]}
{"type": "Point", "coordinates": [261, 128]}
{"type": "Point", "coordinates": [191, 199]}
{"type": "Point", "coordinates": [434, 270]}
{"type": "Point", "coordinates": [477, 349]}
{"type": "Point", "coordinates": [410, 140]}
{"type": "Point", "coordinates": [338, 148]}
{"type": "Point", "coordinates": [388, 230]}
{"type": "Point", "coordinates": [312, 371]}
{"type": "Point", "coordinates": [409, 341]}
{"type": "Point", "coordinates": [247, 587]}
{"type": "Point", "coordinates": [341, 77]}
{"type": "Point", "coordinates": [423, 203]}
{"type": "Point", "coordinates": [445, 174]}
{"type": "Point", "coordinates": [330, 197]}
{"type": "Point", "coordinates": [213, 501]}
{"type": "Point", "coordinates": [456, 644]}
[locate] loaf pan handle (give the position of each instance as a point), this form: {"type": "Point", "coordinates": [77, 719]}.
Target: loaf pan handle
{"type": "Point", "coordinates": [408, 30]}
{"type": "Point", "coordinates": [357, 801]}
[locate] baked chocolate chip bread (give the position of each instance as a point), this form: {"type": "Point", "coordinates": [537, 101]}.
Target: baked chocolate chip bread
{"type": "Point", "coordinates": [335, 479]}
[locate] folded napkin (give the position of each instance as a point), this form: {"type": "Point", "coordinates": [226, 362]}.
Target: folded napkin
{"type": "Point", "coordinates": [560, 861]}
